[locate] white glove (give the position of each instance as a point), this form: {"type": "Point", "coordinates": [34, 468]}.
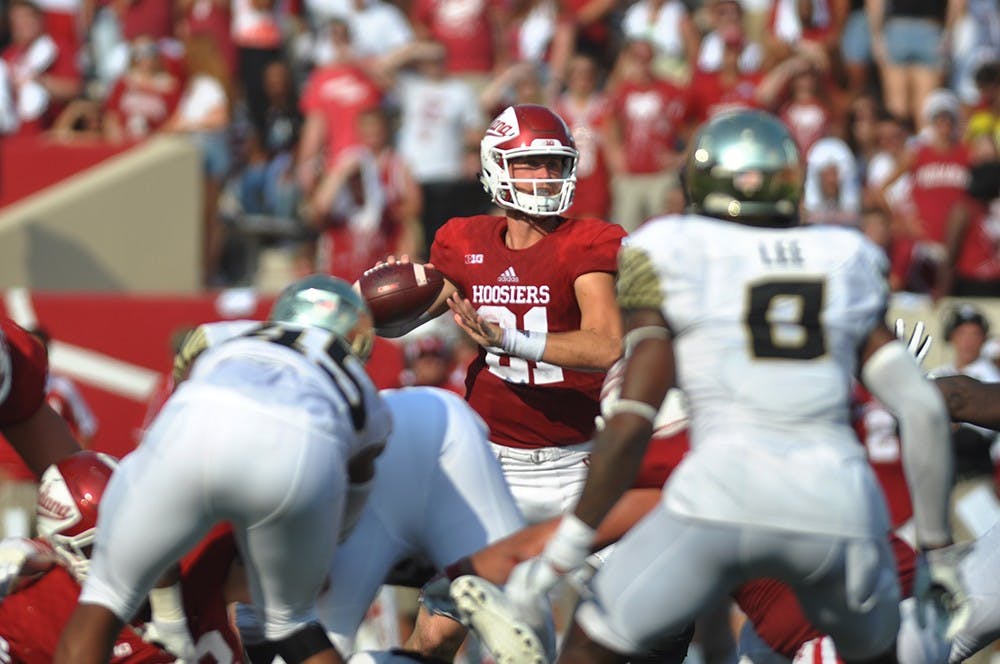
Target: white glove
{"type": "Point", "coordinates": [20, 559]}
{"type": "Point", "coordinates": [168, 626]}
{"type": "Point", "coordinates": [938, 582]}
{"type": "Point", "coordinates": [917, 343]}
{"type": "Point", "coordinates": [530, 582]}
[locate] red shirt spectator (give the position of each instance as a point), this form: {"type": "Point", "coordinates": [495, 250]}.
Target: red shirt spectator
{"type": "Point", "coordinates": [152, 18]}
{"type": "Point", "coordinates": [650, 115]}
{"type": "Point", "coordinates": [587, 114]}
{"type": "Point", "coordinates": [337, 95]}
{"type": "Point", "coordinates": [466, 28]}
{"type": "Point", "coordinates": [940, 178]}
{"type": "Point", "coordinates": [713, 93]}
{"type": "Point", "coordinates": [144, 97]}
{"type": "Point", "coordinates": [43, 74]}
{"type": "Point", "coordinates": [212, 18]}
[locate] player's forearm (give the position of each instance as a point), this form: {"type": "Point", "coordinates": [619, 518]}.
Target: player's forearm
{"type": "Point", "coordinates": [42, 439]}
{"type": "Point", "coordinates": [614, 464]}
{"type": "Point", "coordinates": [583, 350]}
{"type": "Point", "coordinates": [969, 400]}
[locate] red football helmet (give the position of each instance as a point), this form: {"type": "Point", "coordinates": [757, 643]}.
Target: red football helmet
{"type": "Point", "coordinates": [521, 131]}
{"type": "Point", "coordinates": [66, 511]}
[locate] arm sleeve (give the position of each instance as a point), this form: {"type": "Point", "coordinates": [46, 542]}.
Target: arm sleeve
{"type": "Point", "coordinates": [892, 375]}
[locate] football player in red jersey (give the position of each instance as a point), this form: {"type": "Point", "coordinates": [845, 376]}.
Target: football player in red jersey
{"type": "Point", "coordinates": [535, 290]}
{"type": "Point", "coordinates": [35, 431]}
{"type": "Point", "coordinates": [45, 575]}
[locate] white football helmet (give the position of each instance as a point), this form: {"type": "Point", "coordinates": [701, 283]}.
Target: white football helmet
{"type": "Point", "coordinates": [66, 510]}
{"type": "Point", "coordinates": [522, 131]}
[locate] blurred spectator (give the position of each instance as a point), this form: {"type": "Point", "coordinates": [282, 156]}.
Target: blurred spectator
{"type": "Point", "coordinates": [519, 83]}
{"type": "Point", "coordinates": [587, 112]}
{"type": "Point", "coordinates": [795, 91]}
{"type": "Point", "coordinates": [985, 115]}
{"type": "Point", "coordinates": [861, 128]}
{"type": "Point", "coordinates": [63, 22]}
{"type": "Point", "coordinates": [116, 24]}
{"type": "Point", "coordinates": [832, 188]}
{"type": "Point", "coordinates": [143, 98]}
{"type": "Point", "coordinates": [333, 98]}
{"type": "Point", "coordinates": [215, 19]}
{"type": "Point", "coordinates": [203, 115]}
{"type": "Point", "coordinates": [806, 27]}
{"type": "Point", "coordinates": [595, 33]}
{"type": "Point", "coordinates": [540, 32]}
{"type": "Point", "coordinates": [907, 39]}
{"type": "Point", "coordinates": [62, 394]}
{"type": "Point", "coordinates": [890, 142]}
{"type": "Point", "coordinates": [470, 31]}
{"type": "Point", "coordinates": [966, 329]}
{"type": "Point", "coordinates": [939, 166]}
{"type": "Point", "coordinates": [367, 205]}
{"type": "Point", "coordinates": [727, 15]}
{"type": "Point", "coordinates": [430, 361]}
{"type": "Point", "coordinates": [267, 184]}
{"type": "Point", "coordinates": [9, 120]}
{"type": "Point", "coordinates": [644, 136]}
{"type": "Point", "coordinates": [972, 237]}
{"type": "Point", "coordinates": [44, 76]}
{"type": "Point", "coordinates": [440, 124]}
{"type": "Point", "coordinates": [974, 40]}
{"type": "Point", "coordinates": [729, 87]}
{"type": "Point", "coordinates": [667, 26]}
{"type": "Point", "coordinates": [257, 35]}
{"type": "Point", "coordinates": [877, 227]}
{"type": "Point", "coordinates": [376, 27]}
{"type": "Point", "coordinates": [856, 48]}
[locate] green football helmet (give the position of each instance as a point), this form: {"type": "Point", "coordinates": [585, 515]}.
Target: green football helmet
{"type": "Point", "coordinates": [323, 301]}
{"type": "Point", "coordinates": [743, 165]}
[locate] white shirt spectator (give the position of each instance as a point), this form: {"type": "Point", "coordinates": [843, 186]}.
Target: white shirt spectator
{"type": "Point", "coordinates": [663, 30]}
{"type": "Point", "coordinates": [436, 114]}
{"type": "Point", "coordinates": [832, 152]}
{"type": "Point", "coordinates": [203, 95]}
{"type": "Point", "coordinates": [376, 29]}
{"type": "Point", "coordinates": [710, 55]}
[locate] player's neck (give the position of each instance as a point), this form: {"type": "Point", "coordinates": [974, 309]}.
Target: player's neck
{"type": "Point", "coordinates": [524, 230]}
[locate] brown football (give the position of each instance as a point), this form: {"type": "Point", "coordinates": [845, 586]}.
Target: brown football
{"type": "Point", "coordinates": [400, 292]}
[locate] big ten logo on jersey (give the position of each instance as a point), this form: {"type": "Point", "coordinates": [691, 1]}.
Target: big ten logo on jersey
{"type": "Point", "coordinates": [780, 253]}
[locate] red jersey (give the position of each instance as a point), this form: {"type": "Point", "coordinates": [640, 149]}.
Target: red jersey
{"type": "Point", "coordinates": [710, 96]}
{"type": "Point", "coordinates": [940, 180]}
{"type": "Point", "coordinates": [29, 366]}
{"type": "Point", "coordinates": [877, 430]}
{"type": "Point", "coordinates": [464, 28]}
{"type": "Point", "coordinates": [650, 115]}
{"type": "Point", "coordinates": [528, 404]}
{"type": "Point", "coordinates": [32, 619]}
{"type": "Point", "coordinates": [340, 93]}
{"type": "Point", "coordinates": [593, 180]}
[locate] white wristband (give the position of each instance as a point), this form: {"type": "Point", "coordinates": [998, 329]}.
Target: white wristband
{"type": "Point", "coordinates": [166, 604]}
{"type": "Point", "coordinates": [640, 408]}
{"type": "Point", "coordinates": [523, 344]}
{"type": "Point", "coordinates": [570, 544]}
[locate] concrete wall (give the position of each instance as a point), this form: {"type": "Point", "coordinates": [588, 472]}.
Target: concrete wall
{"type": "Point", "coordinates": [132, 223]}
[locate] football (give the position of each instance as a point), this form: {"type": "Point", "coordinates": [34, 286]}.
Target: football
{"type": "Point", "coordinates": [399, 292]}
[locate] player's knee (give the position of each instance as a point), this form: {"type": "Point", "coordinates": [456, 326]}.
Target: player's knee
{"type": "Point", "coordinates": [303, 644]}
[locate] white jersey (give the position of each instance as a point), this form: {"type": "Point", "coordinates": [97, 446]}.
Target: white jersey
{"type": "Point", "coordinates": [438, 492]}
{"type": "Point", "coordinates": [304, 367]}
{"type": "Point", "coordinates": [767, 325]}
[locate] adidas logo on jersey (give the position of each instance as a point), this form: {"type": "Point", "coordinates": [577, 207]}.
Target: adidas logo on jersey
{"type": "Point", "coordinates": [508, 276]}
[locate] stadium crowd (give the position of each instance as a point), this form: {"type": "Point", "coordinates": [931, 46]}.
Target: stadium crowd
{"type": "Point", "coordinates": [359, 120]}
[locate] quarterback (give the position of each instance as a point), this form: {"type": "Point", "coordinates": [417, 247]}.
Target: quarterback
{"type": "Point", "coordinates": [275, 431]}
{"type": "Point", "coordinates": [762, 323]}
{"type": "Point", "coordinates": [535, 290]}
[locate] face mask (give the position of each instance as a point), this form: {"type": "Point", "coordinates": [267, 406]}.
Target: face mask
{"type": "Point", "coordinates": [984, 183]}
